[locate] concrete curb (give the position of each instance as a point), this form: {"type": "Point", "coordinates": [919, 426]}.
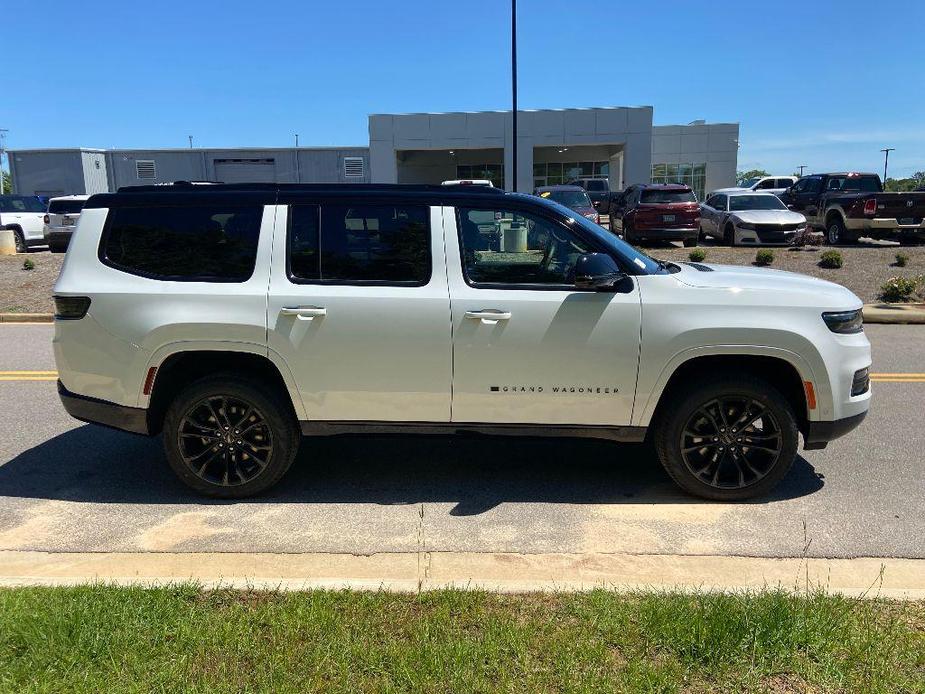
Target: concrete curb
{"type": "Point", "coordinates": [895, 313]}
{"type": "Point", "coordinates": [494, 571]}
{"type": "Point", "coordinates": [26, 318]}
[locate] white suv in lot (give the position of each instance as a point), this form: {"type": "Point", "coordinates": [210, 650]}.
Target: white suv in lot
{"type": "Point", "coordinates": [24, 215]}
{"type": "Point", "coordinates": [235, 318]}
{"type": "Point", "coordinates": [61, 219]}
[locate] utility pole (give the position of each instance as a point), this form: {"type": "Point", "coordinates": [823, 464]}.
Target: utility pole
{"type": "Point", "coordinates": [886, 160]}
{"type": "Point", "coordinates": [297, 140]}
{"type": "Point", "coordinates": [802, 166]}
{"type": "Point", "coordinates": [3, 132]}
{"type": "Point", "coordinates": [514, 86]}
{"type": "Point", "coordinates": [190, 141]}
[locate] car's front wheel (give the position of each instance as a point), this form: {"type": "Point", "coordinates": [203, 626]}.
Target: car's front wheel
{"type": "Point", "coordinates": [728, 439]}
{"type": "Point", "coordinates": [227, 436]}
{"type": "Point", "coordinates": [729, 235]}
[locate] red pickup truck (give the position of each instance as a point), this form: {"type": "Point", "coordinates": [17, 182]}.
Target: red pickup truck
{"type": "Point", "coordinates": [848, 206]}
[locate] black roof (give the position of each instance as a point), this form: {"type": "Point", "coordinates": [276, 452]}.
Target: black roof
{"type": "Point", "coordinates": [185, 193]}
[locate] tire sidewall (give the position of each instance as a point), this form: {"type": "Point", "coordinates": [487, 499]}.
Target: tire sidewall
{"type": "Point", "coordinates": [670, 426]}
{"type": "Point", "coordinates": [833, 233]}
{"type": "Point", "coordinates": [279, 418]}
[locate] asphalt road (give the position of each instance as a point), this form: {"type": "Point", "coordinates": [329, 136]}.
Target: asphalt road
{"type": "Point", "coordinates": [67, 486]}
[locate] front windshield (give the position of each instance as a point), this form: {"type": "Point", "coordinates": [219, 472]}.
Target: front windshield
{"type": "Point", "coordinates": [739, 203]}
{"type": "Point", "coordinates": [20, 203]}
{"type": "Point", "coordinates": [749, 182]}
{"type": "Point", "coordinates": [642, 263]}
{"type": "Point", "coordinates": [570, 198]}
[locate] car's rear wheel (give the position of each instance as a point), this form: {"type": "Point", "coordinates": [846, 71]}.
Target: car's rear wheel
{"type": "Point", "coordinates": [729, 235]}
{"type": "Point", "coordinates": [227, 436]}
{"type": "Point", "coordinates": [728, 439]}
{"type": "Point", "coordinates": [690, 243]}
{"type": "Point", "coordinates": [835, 232]}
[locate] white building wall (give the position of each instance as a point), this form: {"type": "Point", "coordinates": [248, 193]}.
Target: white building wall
{"type": "Point", "coordinates": [713, 144]}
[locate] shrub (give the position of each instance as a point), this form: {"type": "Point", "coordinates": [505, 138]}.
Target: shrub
{"type": "Point", "coordinates": [902, 260]}
{"type": "Point", "coordinates": [831, 259]}
{"type": "Point", "coordinates": [764, 257]}
{"type": "Point", "coordinates": [697, 255]}
{"type": "Point", "coordinates": [899, 289]}
{"type": "Point", "coordinates": [28, 264]}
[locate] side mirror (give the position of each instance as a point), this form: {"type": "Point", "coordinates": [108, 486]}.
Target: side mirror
{"type": "Point", "coordinates": [597, 271]}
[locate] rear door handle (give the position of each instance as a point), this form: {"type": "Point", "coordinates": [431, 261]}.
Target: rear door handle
{"type": "Point", "coordinates": [304, 312]}
{"type": "Point", "coordinates": [489, 316]}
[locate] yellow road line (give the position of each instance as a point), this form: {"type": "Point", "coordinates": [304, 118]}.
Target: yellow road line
{"type": "Point", "coordinates": [28, 373]}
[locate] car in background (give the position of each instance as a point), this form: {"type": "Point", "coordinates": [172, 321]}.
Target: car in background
{"type": "Point", "coordinates": [61, 219]}
{"type": "Point", "coordinates": [746, 218]}
{"type": "Point", "coordinates": [657, 212]}
{"type": "Point", "coordinates": [573, 197]}
{"type": "Point", "coordinates": [469, 182]}
{"type": "Point", "coordinates": [763, 184]}
{"type": "Point", "coordinates": [848, 206]}
{"type": "Point", "coordinates": [24, 215]}
{"type": "Point", "coordinates": [598, 190]}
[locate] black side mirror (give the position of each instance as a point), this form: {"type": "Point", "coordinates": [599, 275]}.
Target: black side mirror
{"type": "Point", "coordinates": [597, 271]}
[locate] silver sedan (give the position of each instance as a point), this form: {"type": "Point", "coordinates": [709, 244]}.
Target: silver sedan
{"type": "Point", "coordinates": [750, 219]}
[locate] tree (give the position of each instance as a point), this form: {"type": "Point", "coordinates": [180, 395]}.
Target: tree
{"type": "Point", "coordinates": [7, 185]}
{"type": "Point", "coordinates": [754, 173]}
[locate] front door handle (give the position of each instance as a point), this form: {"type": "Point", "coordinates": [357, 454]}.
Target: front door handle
{"type": "Point", "coordinates": [304, 312]}
{"type": "Point", "coordinates": [489, 316]}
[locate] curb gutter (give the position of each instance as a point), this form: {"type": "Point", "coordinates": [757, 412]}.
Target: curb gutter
{"type": "Point", "coordinates": [26, 318]}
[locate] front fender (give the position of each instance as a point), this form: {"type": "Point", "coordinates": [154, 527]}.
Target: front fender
{"type": "Point", "coordinates": [819, 377]}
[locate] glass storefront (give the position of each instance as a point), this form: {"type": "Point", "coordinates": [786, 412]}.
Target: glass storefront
{"type": "Point", "coordinates": [694, 175]}
{"type": "Point", "coordinates": [557, 173]}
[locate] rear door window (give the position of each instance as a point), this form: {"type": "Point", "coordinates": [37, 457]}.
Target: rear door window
{"type": "Point", "coordinates": [360, 244]}
{"type": "Point", "coordinates": [185, 244]}
{"type": "Point", "coordinates": [667, 196]}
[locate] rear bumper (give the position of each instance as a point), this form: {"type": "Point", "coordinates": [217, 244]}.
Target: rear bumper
{"type": "Point", "coordinates": [885, 227]}
{"type": "Point", "coordinates": [108, 414]}
{"type": "Point", "coordinates": [669, 234]}
{"type": "Point", "coordinates": [818, 434]}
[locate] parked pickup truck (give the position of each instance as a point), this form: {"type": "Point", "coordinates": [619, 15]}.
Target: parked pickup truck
{"type": "Point", "coordinates": [232, 319]}
{"type": "Point", "coordinates": [851, 205]}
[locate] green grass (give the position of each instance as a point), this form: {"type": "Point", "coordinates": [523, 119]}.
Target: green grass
{"type": "Point", "coordinates": [98, 638]}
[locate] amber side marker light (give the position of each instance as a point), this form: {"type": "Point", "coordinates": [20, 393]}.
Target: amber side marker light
{"type": "Point", "coordinates": [149, 380]}
{"type": "Point", "coordinates": [810, 394]}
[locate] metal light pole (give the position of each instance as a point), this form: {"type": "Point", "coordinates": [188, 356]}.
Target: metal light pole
{"type": "Point", "coordinates": [886, 160]}
{"type": "Point", "coordinates": [3, 132]}
{"type": "Point", "coordinates": [297, 140]}
{"type": "Point", "coordinates": [802, 166]}
{"type": "Point", "coordinates": [190, 141]}
{"type": "Point", "coordinates": [514, 86]}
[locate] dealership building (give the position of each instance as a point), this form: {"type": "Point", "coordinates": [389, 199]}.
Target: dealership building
{"type": "Point", "coordinates": [620, 144]}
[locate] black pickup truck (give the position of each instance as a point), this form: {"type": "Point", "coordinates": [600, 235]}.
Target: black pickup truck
{"type": "Point", "coordinates": [598, 189]}
{"type": "Point", "coordinates": [848, 206]}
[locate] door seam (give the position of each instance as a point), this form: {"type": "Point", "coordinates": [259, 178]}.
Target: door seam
{"type": "Point", "coordinates": [449, 301]}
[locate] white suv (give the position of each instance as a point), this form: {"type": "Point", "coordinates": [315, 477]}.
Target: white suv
{"type": "Point", "coordinates": [235, 318]}
{"type": "Point", "coordinates": [61, 219]}
{"type": "Point", "coordinates": [24, 215]}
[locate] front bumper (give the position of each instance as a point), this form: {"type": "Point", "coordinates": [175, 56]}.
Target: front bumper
{"type": "Point", "coordinates": [108, 414]}
{"type": "Point", "coordinates": [764, 237]}
{"type": "Point", "coordinates": [818, 434]}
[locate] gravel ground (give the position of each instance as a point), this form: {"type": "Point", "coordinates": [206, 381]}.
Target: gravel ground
{"type": "Point", "coordinates": [28, 291]}
{"type": "Point", "coordinates": [866, 267]}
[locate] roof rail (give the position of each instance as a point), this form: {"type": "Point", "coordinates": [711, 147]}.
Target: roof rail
{"type": "Point", "coordinates": [178, 186]}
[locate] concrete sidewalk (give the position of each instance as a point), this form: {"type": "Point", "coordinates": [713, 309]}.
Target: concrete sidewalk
{"type": "Point", "coordinates": [506, 572]}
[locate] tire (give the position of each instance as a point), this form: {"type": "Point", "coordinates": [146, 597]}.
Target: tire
{"type": "Point", "coordinates": [835, 232]}
{"type": "Point", "coordinates": [57, 248]}
{"type": "Point", "coordinates": [233, 472]}
{"type": "Point", "coordinates": [20, 241]}
{"type": "Point", "coordinates": [724, 476]}
{"type": "Point", "coordinates": [729, 235]}
{"type": "Point", "coordinates": [701, 234]}
{"type": "Point", "coordinates": [691, 243]}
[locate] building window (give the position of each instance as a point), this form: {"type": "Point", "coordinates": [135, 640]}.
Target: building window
{"type": "Point", "coordinates": [490, 172]}
{"type": "Point", "coordinates": [145, 169]}
{"type": "Point", "coordinates": [693, 175]}
{"type": "Point", "coordinates": [353, 167]}
{"type": "Point", "coordinates": [558, 173]}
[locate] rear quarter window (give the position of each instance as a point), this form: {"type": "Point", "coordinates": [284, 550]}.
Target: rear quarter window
{"type": "Point", "coordinates": [184, 244]}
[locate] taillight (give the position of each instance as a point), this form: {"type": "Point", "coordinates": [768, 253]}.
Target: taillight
{"type": "Point", "coordinates": [870, 207]}
{"type": "Point", "coordinates": [71, 307]}
{"type": "Point", "coordinates": [46, 219]}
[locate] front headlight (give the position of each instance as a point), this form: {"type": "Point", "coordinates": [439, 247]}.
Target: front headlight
{"type": "Point", "coordinates": [844, 322]}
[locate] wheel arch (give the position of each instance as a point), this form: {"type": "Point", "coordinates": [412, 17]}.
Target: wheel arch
{"type": "Point", "coordinates": [178, 365]}
{"type": "Point", "coordinates": [787, 370]}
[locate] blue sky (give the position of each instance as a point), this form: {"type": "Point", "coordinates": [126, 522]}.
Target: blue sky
{"type": "Point", "coordinates": [824, 83]}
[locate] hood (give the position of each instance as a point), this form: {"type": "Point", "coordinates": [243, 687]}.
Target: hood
{"type": "Point", "coordinates": [771, 282]}
{"type": "Point", "coordinates": [769, 217]}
